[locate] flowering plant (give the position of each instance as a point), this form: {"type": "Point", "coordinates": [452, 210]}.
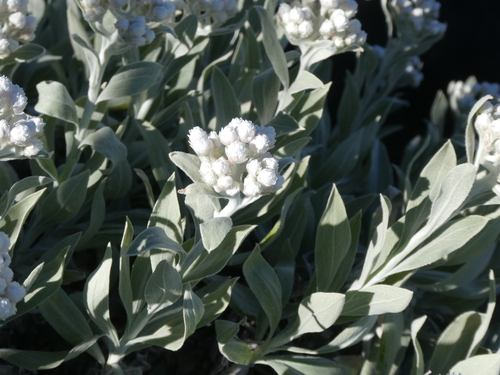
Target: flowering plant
{"type": "Point", "coordinates": [175, 184]}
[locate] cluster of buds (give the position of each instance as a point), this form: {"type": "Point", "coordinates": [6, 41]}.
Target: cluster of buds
{"type": "Point", "coordinates": [237, 159]}
{"type": "Point", "coordinates": [412, 75]}
{"type": "Point", "coordinates": [329, 20]}
{"type": "Point", "coordinates": [94, 10]}
{"type": "Point", "coordinates": [135, 28]}
{"type": "Point", "coordinates": [19, 132]}
{"type": "Point", "coordinates": [10, 291]}
{"type": "Point", "coordinates": [15, 25]}
{"type": "Point", "coordinates": [212, 13]}
{"type": "Point", "coordinates": [463, 95]}
{"type": "Point", "coordinates": [421, 16]}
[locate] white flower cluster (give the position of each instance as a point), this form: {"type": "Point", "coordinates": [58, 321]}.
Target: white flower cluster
{"type": "Point", "coordinates": [10, 291]}
{"type": "Point", "coordinates": [420, 15]}
{"type": "Point", "coordinates": [137, 30]}
{"type": "Point", "coordinates": [213, 12]}
{"type": "Point", "coordinates": [465, 94]}
{"type": "Point", "coordinates": [329, 20]}
{"type": "Point", "coordinates": [15, 25]}
{"type": "Point", "coordinates": [487, 124]}
{"type": "Point", "coordinates": [238, 159]}
{"type": "Point", "coordinates": [94, 10]}
{"type": "Point", "coordinates": [19, 132]}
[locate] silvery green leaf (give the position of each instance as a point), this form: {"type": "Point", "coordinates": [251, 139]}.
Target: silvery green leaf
{"type": "Point", "coordinates": [439, 109]}
{"type": "Point", "coordinates": [470, 138]}
{"type": "Point", "coordinates": [25, 53]}
{"type": "Point", "coordinates": [192, 311]}
{"type": "Point", "coordinates": [309, 109]}
{"type": "Point", "coordinates": [214, 230]}
{"type": "Point", "coordinates": [69, 322]}
{"type": "Point", "coordinates": [265, 89]}
{"type": "Point", "coordinates": [291, 149]}
{"type": "Point", "coordinates": [119, 181]}
{"type": "Point", "coordinates": [264, 283]}
{"type": "Point", "coordinates": [376, 300]}
{"type": "Point", "coordinates": [139, 276]}
{"type": "Point", "coordinates": [153, 238]}
{"type": "Point", "coordinates": [380, 175]}
{"type": "Point", "coordinates": [208, 264]}
{"type": "Point", "coordinates": [345, 266]}
{"type": "Point", "coordinates": [124, 281]}
{"type": "Point", "coordinates": [485, 364]}
{"type": "Point", "coordinates": [90, 55]}
{"type": "Point", "coordinates": [164, 287]}
{"type": "Point", "coordinates": [285, 269]}
{"type": "Point", "coordinates": [349, 336]}
{"type": "Point", "coordinates": [131, 79]}
{"type": "Point", "coordinates": [215, 303]}
{"type": "Point", "coordinates": [455, 342]}
{"type": "Point", "coordinates": [65, 200]}
{"type": "Point", "coordinates": [447, 239]}
{"type": "Point", "coordinates": [147, 186]}
{"type": "Point", "coordinates": [455, 188]}
{"type": "Point", "coordinates": [333, 240]}
{"type": "Point", "coordinates": [97, 214]}
{"type": "Point", "coordinates": [20, 190]}
{"type": "Point", "coordinates": [226, 103]}
{"type": "Point", "coordinates": [393, 340]}
{"type": "Point", "coordinates": [299, 365]}
{"type": "Point", "coordinates": [230, 346]}
{"type": "Point", "coordinates": [418, 362]}
{"type": "Point", "coordinates": [375, 255]}
{"type": "Point", "coordinates": [349, 106]}
{"type": "Point", "coordinates": [306, 81]}
{"type": "Point", "coordinates": [96, 296]}
{"type": "Point", "coordinates": [317, 312]}
{"type": "Point", "coordinates": [55, 101]}
{"type": "Point", "coordinates": [283, 124]}
{"type": "Point", "coordinates": [36, 360]}
{"type": "Point", "coordinates": [188, 163]}
{"type": "Point", "coordinates": [166, 212]}
{"type": "Point", "coordinates": [12, 222]}
{"type": "Point", "coordinates": [105, 142]}
{"type": "Point", "coordinates": [158, 151]}
{"type": "Point", "coordinates": [43, 282]}
{"type": "Point", "coordinates": [273, 47]}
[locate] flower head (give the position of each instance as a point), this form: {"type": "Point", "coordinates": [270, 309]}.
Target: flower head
{"type": "Point", "coordinates": [237, 159]}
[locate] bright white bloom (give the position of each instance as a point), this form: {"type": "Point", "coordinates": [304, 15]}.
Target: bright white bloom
{"type": "Point", "coordinates": [19, 132]}
{"type": "Point", "coordinates": [11, 292]}
{"type": "Point", "coordinates": [15, 26]}
{"type": "Point", "coordinates": [418, 16]}
{"type": "Point", "coordinates": [322, 20]}
{"type": "Point", "coordinates": [237, 159]}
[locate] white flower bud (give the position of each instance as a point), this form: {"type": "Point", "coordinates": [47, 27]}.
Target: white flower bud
{"type": "Point", "coordinates": [149, 36]}
{"type": "Point", "coordinates": [215, 139]}
{"type": "Point", "coordinates": [6, 308]}
{"type": "Point", "coordinates": [254, 167]}
{"type": "Point", "coordinates": [20, 135]}
{"type": "Point", "coordinates": [225, 182]}
{"type": "Point", "coordinates": [4, 260]}
{"type": "Point", "coordinates": [237, 152]}
{"type": "Point", "coordinates": [199, 142]}
{"type": "Point", "coordinates": [327, 28]}
{"type": "Point", "coordinates": [7, 274]}
{"type": "Point", "coordinates": [260, 144]}
{"type": "Point", "coordinates": [267, 177]}
{"type": "Point", "coordinates": [4, 243]}
{"type": "Point", "coordinates": [270, 163]}
{"type": "Point", "coordinates": [246, 131]}
{"type": "Point", "coordinates": [137, 29]}
{"type": "Point", "coordinates": [15, 292]}
{"type": "Point", "coordinates": [122, 25]}
{"type": "Point", "coordinates": [228, 135]}
{"type": "Point", "coordinates": [305, 29]}
{"type": "Point", "coordinates": [18, 20]}
{"type": "Point", "coordinates": [296, 15]}
{"type": "Point", "coordinates": [221, 167]}
{"type": "Point", "coordinates": [33, 149]}
{"type": "Point", "coordinates": [251, 188]}
{"type": "Point", "coordinates": [339, 19]}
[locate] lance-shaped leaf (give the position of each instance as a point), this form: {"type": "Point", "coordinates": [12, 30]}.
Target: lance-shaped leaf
{"type": "Point", "coordinates": [96, 296]}
{"type": "Point", "coordinates": [299, 365]}
{"type": "Point", "coordinates": [104, 141]}
{"type": "Point", "coordinates": [34, 360]}
{"type": "Point", "coordinates": [265, 285]}
{"type": "Point", "coordinates": [132, 79]}
{"type": "Point", "coordinates": [470, 139]}
{"type": "Point", "coordinates": [214, 231]}
{"type": "Point", "coordinates": [265, 88]}
{"type": "Point", "coordinates": [230, 346]}
{"type": "Point", "coordinates": [486, 364]}
{"type": "Point", "coordinates": [333, 239]}
{"type": "Point", "coordinates": [153, 238]}
{"type": "Point", "coordinates": [192, 311]}
{"type": "Point", "coordinates": [55, 101]}
{"type": "Point", "coordinates": [216, 302]}
{"type": "Point", "coordinates": [273, 47]}
{"type": "Point", "coordinates": [226, 103]}
{"type": "Point", "coordinates": [376, 300]}
{"type": "Point", "coordinates": [164, 287]}
{"type": "Point", "coordinates": [418, 361]}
